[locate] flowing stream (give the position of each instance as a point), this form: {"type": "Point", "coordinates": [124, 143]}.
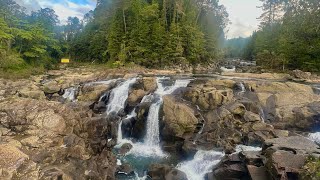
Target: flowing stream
{"type": "Point", "coordinates": [315, 137]}
{"type": "Point", "coordinates": [70, 93]}
{"type": "Point", "coordinates": [149, 151]}
{"type": "Point", "coordinates": [202, 163]}
{"type": "Point", "coordinates": [152, 137]}
{"type": "Point", "coordinates": [119, 95]}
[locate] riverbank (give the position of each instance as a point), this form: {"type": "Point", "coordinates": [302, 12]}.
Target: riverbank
{"type": "Point", "coordinates": [82, 123]}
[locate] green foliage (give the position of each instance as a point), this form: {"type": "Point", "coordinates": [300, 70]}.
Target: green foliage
{"type": "Point", "coordinates": [235, 48]}
{"type": "Point", "coordinates": [290, 40]}
{"type": "Point", "coordinates": [27, 40]}
{"type": "Point", "coordinates": [311, 170]}
{"type": "Point", "coordinates": [11, 62]}
{"type": "Point", "coordinates": [153, 33]}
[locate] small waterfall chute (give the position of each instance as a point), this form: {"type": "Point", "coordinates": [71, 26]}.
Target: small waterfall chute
{"type": "Point", "coordinates": [151, 147]}
{"type": "Point", "coordinates": [240, 148]}
{"type": "Point", "coordinates": [202, 163]}
{"type": "Point", "coordinates": [227, 69]}
{"type": "Point", "coordinates": [242, 87]}
{"type": "Point", "coordinates": [120, 139]}
{"type": "Point", "coordinates": [152, 137]}
{"type": "Point", "coordinates": [315, 137]}
{"type": "Point", "coordinates": [70, 93]}
{"type": "Point", "coordinates": [119, 95]}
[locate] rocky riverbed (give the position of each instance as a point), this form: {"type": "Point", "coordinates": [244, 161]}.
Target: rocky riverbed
{"type": "Point", "coordinates": [148, 124]}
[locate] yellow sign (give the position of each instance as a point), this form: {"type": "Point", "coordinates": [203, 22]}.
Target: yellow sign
{"type": "Point", "coordinates": [65, 60]}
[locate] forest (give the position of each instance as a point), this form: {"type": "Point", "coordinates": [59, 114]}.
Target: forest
{"type": "Point", "coordinates": [288, 36]}
{"type": "Point", "coordinates": [147, 33]}
{"type": "Point", "coordinates": [158, 33]}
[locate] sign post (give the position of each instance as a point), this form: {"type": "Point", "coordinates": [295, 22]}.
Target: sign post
{"type": "Point", "coordinates": [65, 61]}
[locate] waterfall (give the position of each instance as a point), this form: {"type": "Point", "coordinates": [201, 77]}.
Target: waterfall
{"type": "Point", "coordinates": [202, 163]}
{"type": "Point", "coordinates": [119, 96]}
{"type": "Point", "coordinates": [224, 69]}
{"type": "Point", "coordinates": [261, 113]}
{"type": "Point", "coordinates": [119, 138]}
{"type": "Point", "coordinates": [242, 88]}
{"type": "Point", "coordinates": [240, 148]}
{"type": "Point", "coordinates": [315, 137]}
{"type": "Point", "coordinates": [152, 137]}
{"type": "Point", "coordinates": [151, 147]}
{"type": "Point", "coordinates": [70, 93]}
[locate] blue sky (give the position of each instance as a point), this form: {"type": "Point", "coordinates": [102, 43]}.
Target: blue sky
{"type": "Point", "coordinates": [63, 8]}
{"type": "Point", "coordinates": [242, 13]}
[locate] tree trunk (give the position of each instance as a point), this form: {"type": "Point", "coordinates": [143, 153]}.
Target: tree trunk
{"type": "Point", "coordinates": [124, 21]}
{"type": "Point", "coordinates": [198, 16]}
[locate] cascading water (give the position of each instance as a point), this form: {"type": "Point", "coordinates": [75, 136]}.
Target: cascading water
{"type": "Point", "coordinates": [120, 139]}
{"type": "Point", "coordinates": [240, 148]}
{"type": "Point", "coordinates": [150, 146]}
{"type": "Point", "coordinates": [70, 93]}
{"type": "Point", "coordinates": [202, 163]}
{"type": "Point", "coordinates": [142, 154]}
{"type": "Point", "coordinates": [119, 135]}
{"type": "Point", "coordinates": [153, 136]}
{"type": "Point", "coordinates": [119, 96]}
{"type": "Point", "coordinates": [242, 88]}
{"type": "Point", "coordinates": [315, 137]}
{"type": "Point", "coordinates": [261, 114]}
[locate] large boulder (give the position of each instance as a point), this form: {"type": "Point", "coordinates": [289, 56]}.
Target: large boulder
{"type": "Point", "coordinates": [230, 167]}
{"type": "Point", "coordinates": [210, 95]}
{"type": "Point", "coordinates": [51, 87]}
{"type": "Point", "coordinates": [301, 75]}
{"type": "Point", "coordinates": [286, 105]}
{"type": "Point", "coordinates": [135, 97]}
{"type": "Point", "coordinates": [11, 158]}
{"type": "Point", "coordinates": [165, 172]}
{"type": "Point", "coordinates": [232, 124]}
{"type": "Point", "coordinates": [32, 91]}
{"type": "Point", "coordinates": [286, 156]}
{"type": "Point", "coordinates": [139, 128]}
{"type": "Point", "coordinates": [179, 118]}
{"type": "Point", "coordinates": [149, 84]}
{"type": "Point", "coordinates": [93, 91]}
{"type": "Point", "coordinates": [33, 117]}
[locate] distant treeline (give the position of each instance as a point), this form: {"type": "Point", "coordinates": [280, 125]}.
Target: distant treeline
{"type": "Point", "coordinates": [288, 37]}
{"type": "Point", "coordinates": [151, 33]}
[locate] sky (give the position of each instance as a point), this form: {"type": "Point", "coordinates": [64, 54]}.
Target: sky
{"type": "Point", "coordinates": [243, 14]}
{"type": "Point", "coordinates": [63, 8]}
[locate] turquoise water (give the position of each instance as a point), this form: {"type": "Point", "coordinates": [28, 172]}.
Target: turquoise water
{"type": "Point", "coordinates": [141, 157]}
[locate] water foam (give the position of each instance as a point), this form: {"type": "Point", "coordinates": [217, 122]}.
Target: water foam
{"type": "Point", "coordinates": [152, 137]}
{"type": "Point", "coordinates": [315, 137]}
{"type": "Point", "coordinates": [70, 93]}
{"type": "Point", "coordinates": [151, 145]}
{"type": "Point", "coordinates": [119, 95]}
{"type": "Point", "coordinates": [201, 164]}
{"type": "Point", "coordinates": [240, 148]}
{"type": "Point", "coordinates": [224, 69]}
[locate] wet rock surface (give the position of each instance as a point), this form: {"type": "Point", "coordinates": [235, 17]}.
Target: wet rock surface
{"type": "Point", "coordinates": [160, 171]}
{"type": "Point", "coordinates": [45, 136]}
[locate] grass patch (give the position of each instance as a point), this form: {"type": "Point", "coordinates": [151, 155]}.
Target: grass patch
{"type": "Point", "coordinates": [25, 72]}
{"type": "Point", "coordinates": [311, 170]}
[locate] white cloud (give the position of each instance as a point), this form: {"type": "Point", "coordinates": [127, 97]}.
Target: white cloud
{"type": "Point", "coordinates": [243, 15]}
{"type": "Point", "coordinates": [63, 8]}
